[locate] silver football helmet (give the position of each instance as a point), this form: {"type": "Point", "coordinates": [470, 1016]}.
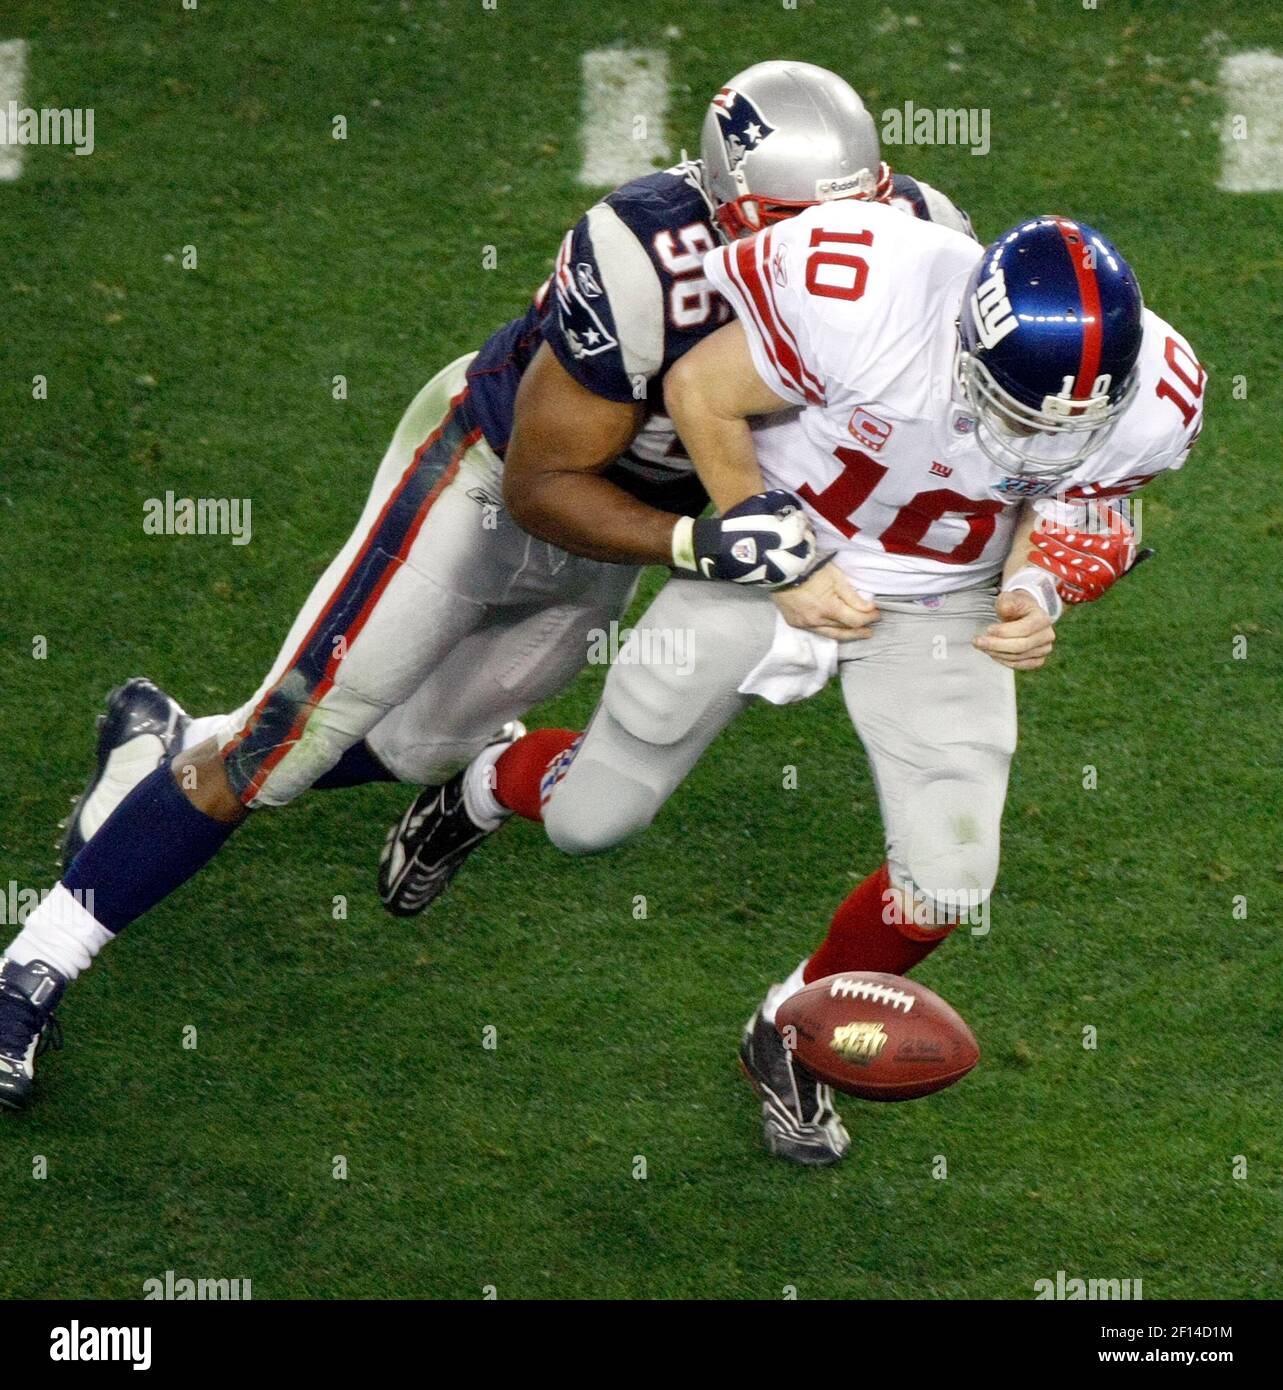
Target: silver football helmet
{"type": "Point", "coordinates": [781, 136]}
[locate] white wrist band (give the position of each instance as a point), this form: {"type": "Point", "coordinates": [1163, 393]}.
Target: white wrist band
{"type": "Point", "coordinates": [684, 543]}
{"type": "Point", "coordinates": [1041, 585]}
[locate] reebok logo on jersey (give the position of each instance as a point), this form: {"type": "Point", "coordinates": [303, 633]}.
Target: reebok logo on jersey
{"type": "Point", "coordinates": [991, 310]}
{"type": "Point", "coordinates": [779, 268]}
{"type": "Point", "coordinates": [585, 333]}
{"type": "Point", "coordinates": [588, 285]}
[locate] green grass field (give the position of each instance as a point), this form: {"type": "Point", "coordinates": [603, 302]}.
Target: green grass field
{"type": "Point", "coordinates": [514, 1167]}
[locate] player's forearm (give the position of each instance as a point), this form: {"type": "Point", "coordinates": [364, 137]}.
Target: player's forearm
{"type": "Point", "coordinates": [1021, 573]}
{"type": "Point", "coordinates": [710, 395]}
{"type": "Point", "coordinates": [1021, 542]}
{"type": "Point", "coordinates": [721, 451]}
{"type": "Point", "coordinates": [589, 515]}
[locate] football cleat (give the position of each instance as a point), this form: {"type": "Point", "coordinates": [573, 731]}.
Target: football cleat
{"type": "Point", "coordinates": [142, 726]}
{"type": "Point", "coordinates": [28, 996]}
{"type": "Point", "coordinates": [427, 846]}
{"type": "Point", "coordinates": [798, 1118]}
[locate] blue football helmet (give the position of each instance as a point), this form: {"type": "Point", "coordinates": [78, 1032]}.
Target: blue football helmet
{"type": "Point", "coordinates": [1049, 334]}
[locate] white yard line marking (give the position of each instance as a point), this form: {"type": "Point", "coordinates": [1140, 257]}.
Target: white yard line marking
{"type": "Point", "coordinates": [625, 98]}
{"type": "Point", "coordinates": [13, 66]}
{"type": "Point", "coordinates": [1252, 133]}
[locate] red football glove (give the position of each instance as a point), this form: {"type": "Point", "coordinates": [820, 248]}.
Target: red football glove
{"type": "Point", "coordinates": [1085, 563]}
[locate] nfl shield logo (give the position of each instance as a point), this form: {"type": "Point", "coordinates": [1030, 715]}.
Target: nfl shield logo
{"type": "Point", "coordinates": [745, 551]}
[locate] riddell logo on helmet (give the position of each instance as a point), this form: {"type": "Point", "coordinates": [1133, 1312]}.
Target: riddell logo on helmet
{"type": "Point", "coordinates": [861, 182]}
{"type": "Point", "coordinates": [743, 125]}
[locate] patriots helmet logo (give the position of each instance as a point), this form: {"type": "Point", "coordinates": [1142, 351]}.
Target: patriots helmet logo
{"type": "Point", "coordinates": [743, 125]}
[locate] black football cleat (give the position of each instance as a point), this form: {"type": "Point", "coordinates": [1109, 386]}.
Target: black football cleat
{"type": "Point", "coordinates": [427, 846]}
{"type": "Point", "coordinates": [142, 726]}
{"type": "Point", "coordinates": [28, 996]}
{"type": "Point", "coordinates": [798, 1118]}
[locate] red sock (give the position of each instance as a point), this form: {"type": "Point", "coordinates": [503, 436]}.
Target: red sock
{"type": "Point", "coordinates": [861, 938]}
{"type": "Point", "coordinates": [519, 770]}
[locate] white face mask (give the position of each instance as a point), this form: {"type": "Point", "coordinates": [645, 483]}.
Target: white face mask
{"type": "Point", "coordinates": [1029, 443]}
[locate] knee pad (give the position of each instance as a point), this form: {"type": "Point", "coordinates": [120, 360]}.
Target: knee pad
{"type": "Point", "coordinates": [682, 654]}
{"type": "Point", "coordinates": [950, 855]}
{"type": "Point", "coordinates": [596, 808]}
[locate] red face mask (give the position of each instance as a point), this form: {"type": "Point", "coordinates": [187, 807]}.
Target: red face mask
{"type": "Point", "coordinates": [749, 212]}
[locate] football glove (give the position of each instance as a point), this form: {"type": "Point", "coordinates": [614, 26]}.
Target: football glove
{"type": "Point", "coordinates": [764, 540]}
{"type": "Point", "coordinates": [1085, 564]}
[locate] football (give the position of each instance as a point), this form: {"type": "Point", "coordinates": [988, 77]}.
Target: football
{"type": "Point", "coordinates": [879, 1037]}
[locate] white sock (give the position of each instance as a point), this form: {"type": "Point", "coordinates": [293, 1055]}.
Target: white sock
{"type": "Point", "coordinates": [201, 729]}
{"type": "Point", "coordinates": [61, 931]}
{"type": "Point", "coordinates": [479, 799]}
{"type": "Point", "coordinates": [777, 994]}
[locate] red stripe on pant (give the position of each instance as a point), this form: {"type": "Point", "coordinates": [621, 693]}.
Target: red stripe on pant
{"type": "Point", "coordinates": [350, 632]}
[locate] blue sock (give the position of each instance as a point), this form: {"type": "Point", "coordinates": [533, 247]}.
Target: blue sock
{"type": "Point", "coordinates": [152, 843]}
{"type": "Point", "coordinates": [354, 769]}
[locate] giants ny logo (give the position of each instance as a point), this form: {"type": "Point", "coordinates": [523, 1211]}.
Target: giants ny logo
{"type": "Point", "coordinates": [991, 310]}
{"type": "Point", "coordinates": [743, 126]}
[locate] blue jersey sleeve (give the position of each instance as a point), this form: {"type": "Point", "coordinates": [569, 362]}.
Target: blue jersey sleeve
{"type": "Point", "coordinates": [921, 200]}
{"type": "Point", "coordinates": [581, 326]}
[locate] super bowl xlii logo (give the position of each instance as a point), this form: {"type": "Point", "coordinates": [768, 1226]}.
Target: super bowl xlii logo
{"type": "Point", "coordinates": [859, 1042]}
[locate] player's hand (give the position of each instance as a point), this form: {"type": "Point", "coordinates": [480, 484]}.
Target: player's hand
{"type": "Point", "coordinates": [1024, 634]}
{"type": "Point", "coordinates": [766, 540]}
{"type": "Point", "coordinates": [828, 604]}
{"type": "Point", "coordinates": [1085, 562]}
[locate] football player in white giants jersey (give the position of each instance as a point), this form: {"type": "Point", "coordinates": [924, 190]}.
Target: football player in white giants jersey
{"type": "Point", "coordinates": [523, 489]}
{"type": "Point", "coordinates": [921, 400]}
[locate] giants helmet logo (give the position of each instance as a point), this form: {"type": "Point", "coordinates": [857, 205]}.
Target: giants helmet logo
{"type": "Point", "coordinates": [742, 124]}
{"type": "Point", "coordinates": [991, 310]}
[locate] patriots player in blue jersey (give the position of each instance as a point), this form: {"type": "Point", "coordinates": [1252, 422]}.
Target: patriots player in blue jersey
{"type": "Point", "coordinates": [523, 489]}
